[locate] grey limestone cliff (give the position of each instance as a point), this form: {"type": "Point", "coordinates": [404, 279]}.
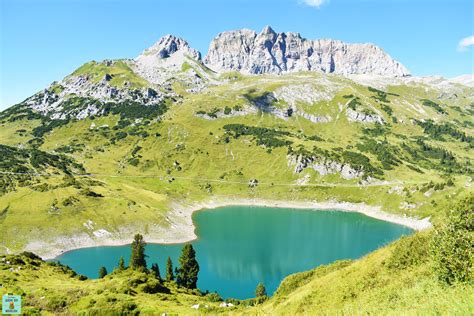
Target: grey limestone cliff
{"type": "Point", "coordinates": [271, 52]}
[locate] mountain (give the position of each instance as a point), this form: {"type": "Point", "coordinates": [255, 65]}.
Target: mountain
{"type": "Point", "coordinates": [135, 145]}
{"type": "Point", "coordinates": [151, 77]}
{"type": "Point", "coordinates": [271, 52]}
{"type": "Point", "coordinates": [467, 80]}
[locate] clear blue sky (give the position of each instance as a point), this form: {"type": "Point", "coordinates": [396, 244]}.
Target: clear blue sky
{"type": "Point", "coordinates": [44, 40]}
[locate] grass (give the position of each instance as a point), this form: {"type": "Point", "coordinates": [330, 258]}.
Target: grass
{"type": "Point", "coordinates": [191, 142]}
{"type": "Point", "coordinates": [119, 70]}
{"type": "Point", "coordinates": [177, 157]}
{"type": "Point", "coordinates": [51, 289]}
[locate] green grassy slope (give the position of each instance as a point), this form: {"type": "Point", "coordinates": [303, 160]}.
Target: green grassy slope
{"type": "Point", "coordinates": [371, 286]}
{"type": "Point", "coordinates": [139, 161]}
{"type": "Point", "coordinates": [118, 70]}
{"type": "Point", "coordinates": [51, 289]}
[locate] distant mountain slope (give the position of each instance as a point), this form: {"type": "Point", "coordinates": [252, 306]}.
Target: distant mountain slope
{"type": "Point", "coordinates": [127, 142]}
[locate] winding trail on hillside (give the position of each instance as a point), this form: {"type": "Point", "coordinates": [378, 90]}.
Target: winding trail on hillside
{"type": "Point", "coordinates": [166, 177]}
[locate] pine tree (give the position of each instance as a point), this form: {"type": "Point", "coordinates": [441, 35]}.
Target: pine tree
{"type": "Point", "coordinates": [121, 264]}
{"type": "Point", "coordinates": [187, 275]}
{"type": "Point", "coordinates": [156, 270]}
{"type": "Point", "coordinates": [260, 291]}
{"type": "Point", "coordinates": [102, 272]}
{"type": "Point", "coordinates": [169, 270]}
{"type": "Point", "coordinates": [137, 259]}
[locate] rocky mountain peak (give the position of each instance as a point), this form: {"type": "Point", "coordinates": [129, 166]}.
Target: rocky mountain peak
{"type": "Point", "coordinates": [272, 52]}
{"type": "Point", "coordinates": [164, 59]}
{"type": "Point", "coordinates": [169, 45]}
{"type": "Point", "coordinates": [267, 30]}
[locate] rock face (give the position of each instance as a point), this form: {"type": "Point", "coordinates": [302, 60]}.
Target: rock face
{"type": "Point", "coordinates": [270, 52]}
{"type": "Point", "coordinates": [164, 59]}
{"type": "Point", "coordinates": [168, 45]}
{"type": "Point", "coordinates": [324, 166]}
{"type": "Point", "coordinates": [356, 116]}
{"type": "Point", "coordinates": [60, 104]}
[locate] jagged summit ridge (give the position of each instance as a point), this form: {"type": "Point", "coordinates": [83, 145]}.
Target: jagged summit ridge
{"type": "Point", "coordinates": [272, 52]}
{"type": "Point", "coordinates": [250, 52]}
{"type": "Point", "coordinates": [148, 78]}
{"type": "Point", "coordinates": [168, 45]}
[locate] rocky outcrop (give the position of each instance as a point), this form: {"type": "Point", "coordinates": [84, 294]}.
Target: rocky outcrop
{"type": "Point", "coordinates": [323, 166]}
{"type": "Point", "coordinates": [60, 100]}
{"type": "Point", "coordinates": [315, 118]}
{"type": "Point", "coordinates": [305, 93]}
{"type": "Point", "coordinates": [271, 52]}
{"type": "Point", "coordinates": [356, 116]}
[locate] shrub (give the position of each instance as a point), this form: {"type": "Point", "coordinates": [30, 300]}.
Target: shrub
{"type": "Point", "coordinates": [153, 286]}
{"type": "Point", "coordinates": [378, 130]}
{"type": "Point", "coordinates": [360, 162]}
{"type": "Point", "coordinates": [437, 131]}
{"type": "Point", "coordinates": [30, 255]}
{"type": "Point", "coordinates": [214, 297]}
{"type": "Point", "coordinates": [453, 243]}
{"type": "Point", "coordinates": [232, 301]}
{"type": "Point", "coordinates": [354, 104]}
{"type": "Point", "coordinates": [90, 193]}
{"type": "Point", "coordinates": [70, 201]}
{"type": "Point", "coordinates": [56, 303]}
{"type": "Point", "coordinates": [227, 110]}
{"type": "Point", "coordinates": [434, 105]}
{"type": "Point", "coordinates": [120, 135]}
{"type": "Point", "coordinates": [81, 277]}
{"type": "Point", "coordinates": [131, 110]}
{"type": "Point", "coordinates": [410, 251]}
{"type": "Point", "coordinates": [134, 161]}
{"type": "Point", "coordinates": [48, 126]}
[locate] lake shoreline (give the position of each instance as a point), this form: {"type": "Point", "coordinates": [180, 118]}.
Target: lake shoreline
{"type": "Point", "coordinates": [182, 228]}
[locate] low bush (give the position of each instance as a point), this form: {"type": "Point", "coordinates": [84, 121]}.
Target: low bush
{"type": "Point", "coordinates": [214, 297]}
{"type": "Point", "coordinates": [410, 251]}
{"type": "Point", "coordinates": [453, 242]}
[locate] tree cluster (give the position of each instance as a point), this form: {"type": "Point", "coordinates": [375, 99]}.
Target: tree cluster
{"type": "Point", "coordinates": [264, 136]}
{"type": "Point", "coordinates": [186, 275]}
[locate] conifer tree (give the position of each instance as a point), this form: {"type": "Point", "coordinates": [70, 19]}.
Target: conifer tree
{"type": "Point", "coordinates": [156, 270]}
{"type": "Point", "coordinates": [102, 272]}
{"type": "Point", "coordinates": [187, 275]}
{"type": "Point", "coordinates": [169, 270]}
{"type": "Point", "coordinates": [260, 291]}
{"type": "Point", "coordinates": [121, 264]}
{"type": "Point", "coordinates": [137, 259]}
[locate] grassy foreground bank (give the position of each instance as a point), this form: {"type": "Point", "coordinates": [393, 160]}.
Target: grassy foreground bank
{"type": "Point", "coordinates": [429, 272]}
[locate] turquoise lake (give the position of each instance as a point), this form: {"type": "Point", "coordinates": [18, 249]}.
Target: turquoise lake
{"type": "Point", "coordinates": [240, 246]}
